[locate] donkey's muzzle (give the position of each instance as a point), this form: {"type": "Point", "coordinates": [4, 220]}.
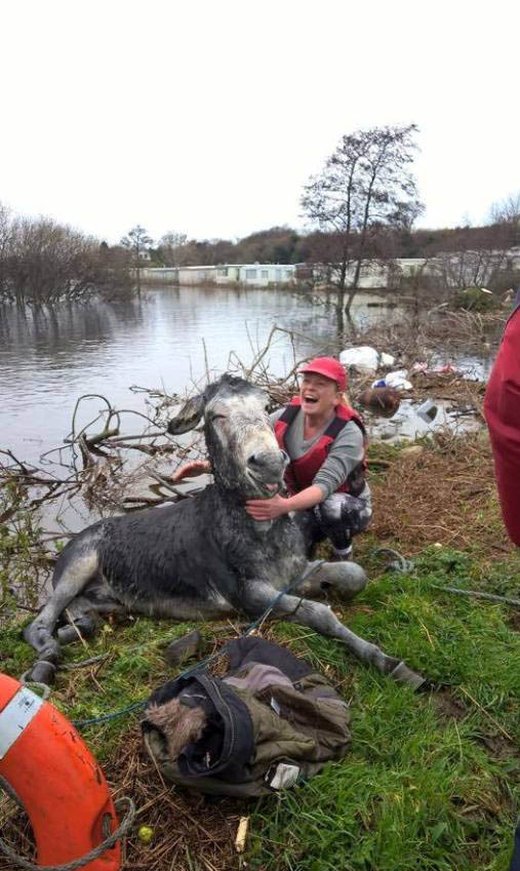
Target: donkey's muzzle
{"type": "Point", "coordinates": [265, 471]}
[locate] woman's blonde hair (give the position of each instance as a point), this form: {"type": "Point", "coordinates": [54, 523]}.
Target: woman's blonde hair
{"type": "Point", "coordinates": [343, 398]}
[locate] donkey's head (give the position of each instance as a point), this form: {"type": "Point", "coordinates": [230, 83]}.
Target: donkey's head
{"type": "Point", "coordinates": [242, 448]}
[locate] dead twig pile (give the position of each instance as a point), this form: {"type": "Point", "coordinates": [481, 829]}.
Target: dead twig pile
{"type": "Point", "coordinates": [185, 831]}
{"type": "Point", "coordinates": [466, 396]}
{"type": "Point", "coordinates": [188, 830]}
{"type": "Point", "coordinates": [440, 492]}
{"type": "Point", "coordinates": [424, 334]}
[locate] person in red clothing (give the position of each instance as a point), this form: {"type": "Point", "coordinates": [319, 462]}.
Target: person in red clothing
{"type": "Point", "coordinates": [325, 441]}
{"type": "Point", "coordinates": [502, 413]}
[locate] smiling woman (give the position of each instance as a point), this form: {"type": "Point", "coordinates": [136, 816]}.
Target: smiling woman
{"type": "Point", "coordinates": [325, 441]}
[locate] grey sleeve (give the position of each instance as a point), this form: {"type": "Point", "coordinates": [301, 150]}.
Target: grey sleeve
{"type": "Point", "coordinates": [346, 452]}
{"type": "Point", "coordinates": [273, 417]}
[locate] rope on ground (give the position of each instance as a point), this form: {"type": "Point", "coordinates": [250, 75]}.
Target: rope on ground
{"type": "Point", "coordinates": [398, 564]}
{"type": "Point", "coordinates": [478, 594]}
{"type": "Point", "coordinates": [44, 689]}
{"type": "Point", "coordinates": [81, 861]}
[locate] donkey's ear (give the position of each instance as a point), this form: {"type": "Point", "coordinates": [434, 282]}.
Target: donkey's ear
{"type": "Point", "coordinates": [188, 417]}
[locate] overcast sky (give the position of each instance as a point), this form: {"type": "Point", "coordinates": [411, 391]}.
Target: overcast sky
{"type": "Point", "coordinates": [207, 117]}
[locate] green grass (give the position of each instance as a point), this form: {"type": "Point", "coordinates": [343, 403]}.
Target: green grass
{"type": "Point", "coordinates": [431, 780]}
{"type": "Point", "coordinates": [425, 785]}
{"type": "Point", "coordinates": [131, 666]}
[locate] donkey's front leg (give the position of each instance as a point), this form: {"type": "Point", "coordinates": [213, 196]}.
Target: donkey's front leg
{"type": "Point", "coordinates": [259, 596]}
{"type": "Point", "coordinates": [347, 579]}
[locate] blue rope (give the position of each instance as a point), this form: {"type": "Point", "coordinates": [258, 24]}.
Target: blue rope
{"type": "Point", "coordinates": [136, 706]}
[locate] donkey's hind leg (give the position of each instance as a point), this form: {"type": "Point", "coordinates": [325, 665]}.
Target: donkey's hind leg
{"type": "Point", "coordinates": [80, 618]}
{"type": "Point", "coordinates": [73, 573]}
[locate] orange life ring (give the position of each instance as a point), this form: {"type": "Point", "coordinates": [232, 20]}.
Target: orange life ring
{"type": "Point", "coordinates": [62, 787]}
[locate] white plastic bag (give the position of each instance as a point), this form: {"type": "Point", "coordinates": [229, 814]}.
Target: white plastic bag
{"type": "Point", "coordinates": [386, 359]}
{"type": "Point", "coordinates": [398, 379]}
{"type": "Point", "coordinates": [364, 358]}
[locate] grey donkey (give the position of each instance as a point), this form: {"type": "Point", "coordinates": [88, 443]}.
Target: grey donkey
{"type": "Point", "coordinates": [204, 557]}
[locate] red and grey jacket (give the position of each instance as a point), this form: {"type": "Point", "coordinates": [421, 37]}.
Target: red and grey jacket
{"type": "Point", "coordinates": [300, 473]}
{"type": "Point", "coordinates": [502, 413]}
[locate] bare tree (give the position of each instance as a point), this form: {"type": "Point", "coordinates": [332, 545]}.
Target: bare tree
{"type": "Point", "coordinates": [505, 221]}
{"type": "Point", "coordinates": [138, 243]}
{"type": "Point", "coordinates": [365, 186]}
{"type": "Point", "coordinates": [483, 256]}
{"type": "Point", "coordinates": [171, 247]}
{"type": "Point", "coordinates": [469, 268]}
{"type": "Point", "coordinates": [6, 237]}
{"type": "Point", "coordinates": [506, 211]}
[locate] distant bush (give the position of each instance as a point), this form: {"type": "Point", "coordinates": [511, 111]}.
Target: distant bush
{"type": "Point", "coordinates": [475, 299]}
{"type": "Point", "coordinates": [42, 262]}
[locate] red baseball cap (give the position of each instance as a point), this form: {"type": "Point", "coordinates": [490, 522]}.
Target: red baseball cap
{"type": "Point", "coordinates": [329, 367]}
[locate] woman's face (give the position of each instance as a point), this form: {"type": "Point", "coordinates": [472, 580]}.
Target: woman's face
{"type": "Point", "coordinates": [319, 395]}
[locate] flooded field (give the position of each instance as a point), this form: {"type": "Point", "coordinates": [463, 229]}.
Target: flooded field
{"type": "Point", "coordinates": [84, 369]}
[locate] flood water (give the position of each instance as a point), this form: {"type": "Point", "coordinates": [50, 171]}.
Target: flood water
{"type": "Point", "coordinates": [163, 341]}
{"type": "Point", "coordinates": [166, 341]}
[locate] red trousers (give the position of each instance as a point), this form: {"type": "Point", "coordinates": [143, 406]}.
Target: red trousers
{"type": "Point", "coordinates": [502, 413]}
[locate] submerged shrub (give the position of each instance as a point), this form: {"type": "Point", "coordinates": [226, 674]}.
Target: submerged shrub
{"type": "Point", "coordinates": [475, 299]}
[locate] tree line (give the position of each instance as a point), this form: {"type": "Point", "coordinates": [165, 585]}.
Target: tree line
{"type": "Point", "coordinates": [361, 206]}
{"type": "Point", "coordinates": [286, 245]}
{"type": "Point", "coordinates": [43, 262]}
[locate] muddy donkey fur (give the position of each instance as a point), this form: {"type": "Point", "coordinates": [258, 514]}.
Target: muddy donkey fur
{"type": "Point", "coordinates": [204, 557]}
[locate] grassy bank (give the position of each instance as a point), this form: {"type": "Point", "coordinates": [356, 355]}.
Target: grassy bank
{"type": "Point", "coordinates": [431, 780]}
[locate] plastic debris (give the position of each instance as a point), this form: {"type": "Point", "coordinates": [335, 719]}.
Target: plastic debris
{"type": "Point", "coordinates": [447, 369]}
{"type": "Point", "coordinates": [364, 358]}
{"type": "Point", "coordinates": [427, 411]}
{"type": "Point", "coordinates": [419, 366]}
{"type": "Point", "coordinates": [241, 836]}
{"type": "Point", "coordinates": [397, 379]}
{"type": "Point", "coordinates": [422, 367]}
{"type": "Point", "coordinates": [386, 359]}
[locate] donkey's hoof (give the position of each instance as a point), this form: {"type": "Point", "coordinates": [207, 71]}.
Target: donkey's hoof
{"type": "Point", "coordinates": [43, 672]}
{"type": "Point", "coordinates": [68, 634]}
{"type": "Point", "coordinates": [402, 674]}
{"type": "Point", "coordinates": [84, 627]}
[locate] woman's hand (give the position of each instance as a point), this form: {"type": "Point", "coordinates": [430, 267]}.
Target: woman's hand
{"type": "Point", "coordinates": [270, 509]}
{"type": "Point", "coordinates": [267, 509]}
{"type": "Point", "coordinates": [190, 470]}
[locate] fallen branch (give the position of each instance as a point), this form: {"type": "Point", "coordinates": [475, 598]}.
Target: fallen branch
{"type": "Point", "coordinates": [166, 484]}
{"type": "Point", "coordinates": [101, 437]}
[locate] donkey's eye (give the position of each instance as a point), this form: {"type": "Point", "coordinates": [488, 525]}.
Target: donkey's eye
{"type": "Point", "coordinates": [217, 417]}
